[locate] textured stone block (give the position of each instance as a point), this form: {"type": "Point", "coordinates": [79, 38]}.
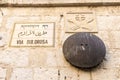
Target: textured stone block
{"type": "Point", "coordinates": [104, 35]}
{"type": "Point", "coordinates": [68, 74]}
{"type": "Point", "coordinates": [61, 61]}
{"type": "Point", "coordinates": [22, 74]}
{"type": "Point", "coordinates": [45, 74]}
{"type": "Point", "coordinates": [2, 73]}
{"type": "Point", "coordinates": [104, 74]}
{"type": "Point", "coordinates": [43, 58]}
{"type": "Point", "coordinates": [108, 23]}
{"type": "Point", "coordinates": [111, 36]}
{"type": "Point", "coordinates": [14, 57]}
{"type": "Point", "coordinates": [112, 59]}
{"type": "Point", "coordinates": [3, 39]}
{"type": "Point", "coordinates": [83, 75]}
{"type": "Point", "coordinates": [37, 57]}
{"type": "Point", "coordinates": [115, 36]}
{"type": "Point", "coordinates": [0, 20]}
{"type": "Point", "coordinates": [2, 79]}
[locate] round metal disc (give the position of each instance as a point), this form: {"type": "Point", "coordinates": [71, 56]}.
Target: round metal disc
{"type": "Point", "coordinates": [84, 50]}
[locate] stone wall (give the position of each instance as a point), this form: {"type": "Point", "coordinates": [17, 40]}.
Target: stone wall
{"type": "Point", "coordinates": [48, 63]}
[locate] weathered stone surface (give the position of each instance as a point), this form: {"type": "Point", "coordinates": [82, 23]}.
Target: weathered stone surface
{"type": "Point", "coordinates": [2, 79]}
{"type": "Point", "coordinates": [61, 60]}
{"type": "Point", "coordinates": [109, 74]}
{"type": "Point", "coordinates": [22, 74]}
{"type": "Point", "coordinates": [45, 74]}
{"type": "Point", "coordinates": [82, 75]}
{"type": "Point", "coordinates": [68, 74]}
{"type": "Point", "coordinates": [14, 57]}
{"type": "Point", "coordinates": [3, 39]}
{"type": "Point", "coordinates": [0, 20]}
{"type": "Point", "coordinates": [111, 60]}
{"type": "Point", "coordinates": [2, 73]}
{"type": "Point", "coordinates": [39, 59]}
{"type": "Point", "coordinates": [44, 58]}
{"type": "Point", "coordinates": [112, 20]}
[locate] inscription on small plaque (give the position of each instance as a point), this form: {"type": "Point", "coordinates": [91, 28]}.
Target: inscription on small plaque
{"type": "Point", "coordinates": [33, 34]}
{"type": "Point", "coordinates": [81, 22]}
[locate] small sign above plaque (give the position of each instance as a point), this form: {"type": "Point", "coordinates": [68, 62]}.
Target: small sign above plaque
{"type": "Point", "coordinates": [81, 22]}
{"type": "Point", "coordinates": [33, 34]}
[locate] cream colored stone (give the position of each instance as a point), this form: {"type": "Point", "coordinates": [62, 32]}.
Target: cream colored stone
{"type": "Point", "coordinates": [1, 20]}
{"type": "Point", "coordinates": [45, 74]}
{"type": "Point", "coordinates": [2, 73]}
{"type": "Point", "coordinates": [108, 23]}
{"type": "Point", "coordinates": [51, 59]}
{"type": "Point", "coordinates": [2, 79]}
{"type": "Point", "coordinates": [22, 74]}
{"type": "Point", "coordinates": [111, 59]}
{"type": "Point", "coordinates": [14, 57]}
{"type": "Point", "coordinates": [37, 57]}
{"type": "Point", "coordinates": [68, 74]}
{"type": "Point", "coordinates": [104, 35]}
{"type": "Point", "coordinates": [3, 39]}
{"type": "Point", "coordinates": [117, 45]}
{"type": "Point", "coordinates": [111, 36]}
{"type": "Point", "coordinates": [83, 75]}
{"type": "Point", "coordinates": [115, 36]}
{"type": "Point", "coordinates": [60, 59]}
{"type": "Point", "coordinates": [104, 74]}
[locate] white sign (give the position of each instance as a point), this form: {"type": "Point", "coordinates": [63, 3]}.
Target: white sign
{"type": "Point", "coordinates": [33, 34]}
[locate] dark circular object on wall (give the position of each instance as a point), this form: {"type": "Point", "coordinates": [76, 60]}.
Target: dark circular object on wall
{"type": "Point", "coordinates": [84, 50]}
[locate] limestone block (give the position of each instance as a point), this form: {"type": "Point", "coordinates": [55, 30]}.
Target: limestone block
{"type": "Point", "coordinates": [2, 73]}
{"type": "Point", "coordinates": [112, 59]}
{"type": "Point", "coordinates": [61, 61]}
{"type": "Point", "coordinates": [115, 36]}
{"type": "Point", "coordinates": [83, 75]}
{"type": "Point", "coordinates": [68, 74]}
{"type": "Point", "coordinates": [111, 36]}
{"type": "Point", "coordinates": [43, 58]}
{"type": "Point", "coordinates": [104, 35]}
{"type": "Point", "coordinates": [105, 74]}
{"type": "Point", "coordinates": [117, 45]}
{"type": "Point", "coordinates": [2, 79]}
{"type": "Point", "coordinates": [0, 20]}
{"type": "Point", "coordinates": [37, 57]}
{"type": "Point", "coordinates": [45, 74]}
{"type": "Point", "coordinates": [22, 74]}
{"type": "Point", "coordinates": [3, 39]}
{"type": "Point", "coordinates": [108, 23]}
{"type": "Point", "coordinates": [114, 45]}
{"type": "Point", "coordinates": [14, 57]}
{"type": "Point", "coordinates": [51, 59]}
